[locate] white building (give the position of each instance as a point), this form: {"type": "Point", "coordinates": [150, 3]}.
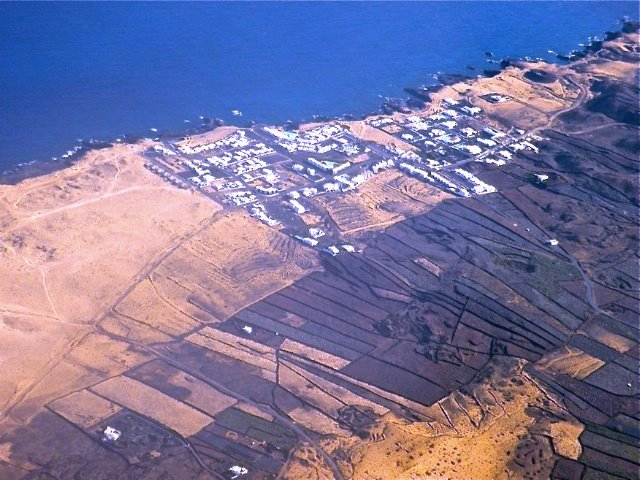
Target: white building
{"type": "Point", "coordinates": [237, 471]}
{"type": "Point", "coordinates": [110, 434]}
{"type": "Point", "coordinates": [472, 110]}
{"type": "Point", "coordinates": [541, 177]}
{"type": "Point", "coordinates": [316, 232]}
{"type": "Point", "coordinates": [506, 154]}
{"type": "Point", "coordinates": [297, 207]}
{"type": "Point", "coordinates": [307, 241]}
{"type": "Point", "coordinates": [332, 249]}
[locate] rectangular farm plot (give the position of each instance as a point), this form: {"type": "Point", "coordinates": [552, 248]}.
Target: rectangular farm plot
{"type": "Point", "coordinates": [323, 387]}
{"type": "Point", "coordinates": [183, 387]}
{"type": "Point", "coordinates": [313, 354]}
{"type": "Point", "coordinates": [571, 361]}
{"type": "Point", "coordinates": [240, 348]}
{"type": "Point", "coordinates": [375, 204]}
{"type": "Point", "coordinates": [151, 403]}
{"type": "Point", "coordinates": [84, 409]}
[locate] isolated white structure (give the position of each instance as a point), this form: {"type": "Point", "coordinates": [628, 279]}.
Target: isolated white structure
{"type": "Point", "coordinates": [238, 470]}
{"type": "Point", "coordinates": [110, 434]}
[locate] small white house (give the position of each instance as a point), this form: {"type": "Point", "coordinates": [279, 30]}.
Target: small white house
{"type": "Point", "coordinates": [110, 434]}
{"type": "Point", "coordinates": [238, 471]}
{"type": "Point", "coordinates": [542, 178]}
{"type": "Point", "coordinates": [333, 250]}
{"type": "Point", "coordinates": [316, 232]}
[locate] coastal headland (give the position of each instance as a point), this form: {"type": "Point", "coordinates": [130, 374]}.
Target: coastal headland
{"type": "Point", "coordinates": [444, 292]}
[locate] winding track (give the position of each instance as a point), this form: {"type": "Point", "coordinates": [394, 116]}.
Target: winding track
{"type": "Point", "coordinates": [146, 271]}
{"type": "Point", "coordinates": [578, 103]}
{"type": "Point", "coordinates": [96, 327]}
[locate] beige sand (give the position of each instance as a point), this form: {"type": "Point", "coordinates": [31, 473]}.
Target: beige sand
{"type": "Point", "coordinates": [85, 409]}
{"type": "Point", "coordinates": [147, 401]}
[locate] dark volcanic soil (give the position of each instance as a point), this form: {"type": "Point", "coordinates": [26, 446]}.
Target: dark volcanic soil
{"type": "Point", "coordinates": [540, 76]}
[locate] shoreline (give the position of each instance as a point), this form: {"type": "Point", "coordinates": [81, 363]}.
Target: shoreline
{"type": "Point", "coordinates": [419, 98]}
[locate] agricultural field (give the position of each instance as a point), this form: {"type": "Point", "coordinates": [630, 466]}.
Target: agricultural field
{"type": "Point", "coordinates": [385, 199]}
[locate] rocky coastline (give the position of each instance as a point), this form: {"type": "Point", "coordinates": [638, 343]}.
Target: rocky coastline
{"type": "Point", "coordinates": [419, 97]}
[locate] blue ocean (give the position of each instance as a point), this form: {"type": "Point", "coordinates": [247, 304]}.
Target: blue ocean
{"type": "Point", "coordinates": [78, 70]}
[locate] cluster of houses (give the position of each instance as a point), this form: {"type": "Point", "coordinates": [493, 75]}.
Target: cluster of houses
{"type": "Point", "coordinates": [257, 210]}
{"type": "Point", "coordinates": [237, 155]}
{"type": "Point", "coordinates": [323, 139]}
{"type": "Point", "coordinates": [275, 173]}
{"type": "Point", "coordinates": [479, 187]}
{"type": "Point", "coordinates": [240, 156]}
{"type": "Point", "coordinates": [241, 197]}
{"type": "Point", "coordinates": [333, 250]}
{"type": "Point", "coordinates": [328, 165]}
{"type": "Point", "coordinates": [434, 177]}
{"type": "Point", "coordinates": [165, 174]}
{"type": "Point", "coordinates": [448, 139]}
{"type": "Point", "coordinates": [237, 139]}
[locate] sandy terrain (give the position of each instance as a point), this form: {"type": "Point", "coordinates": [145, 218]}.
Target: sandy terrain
{"type": "Point", "coordinates": [362, 130]}
{"type": "Point", "coordinates": [208, 137]}
{"type": "Point", "coordinates": [313, 354]}
{"type": "Point", "coordinates": [72, 243]}
{"type": "Point", "coordinates": [150, 402]}
{"type": "Point", "coordinates": [187, 388]}
{"type": "Point", "coordinates": [465, 444]}
{"type": "Point", "coordinates": [232, 263]}
{"type": "Point", "coordinates": [570, 361]}
{"type": "Point", "coordinates": [386, 198]}
{"type": "Point", "coordinates": [84, 408]}
{"type": "Point", "coordinates": [241, 349]}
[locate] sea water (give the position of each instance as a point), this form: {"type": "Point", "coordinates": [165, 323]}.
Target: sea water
{"type": "Point", "coordinates": [72, 71]}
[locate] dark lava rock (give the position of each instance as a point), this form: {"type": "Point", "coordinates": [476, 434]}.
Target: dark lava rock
{"type": "Point", "coordinates": [611, 35]}
{"type": "Point", "coordinates": [490, 73]}
{"type": "Point", "coordinates": [423, 92]}
{"type": "Point", "coordinates": [594, 46]}
{"type": "Point", "coordinates": [598, 86]}
{"type": "Point", "coordinates": [395, 105]}
{"type": "Point", "coordinates": [577, 54]}
{"type": "Point", "coordinates": [630, 26]}
{"type": "Point", "coordinates": [131, 139]}
{"type": "Point", "coordinates": [212, 122]}
{"type": "Point", "coordinates": [451, 78]}
{"type": "Point", "coordinates": [616, 100]}
{"type": "Point", "coordinates": [416, 104]}
{"type": "Point", "coordinates": [387, 109]}
{"type": "Point", "coordinates": [540, 76]}
{"type": "Point", "coordinates": [93, 144]}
